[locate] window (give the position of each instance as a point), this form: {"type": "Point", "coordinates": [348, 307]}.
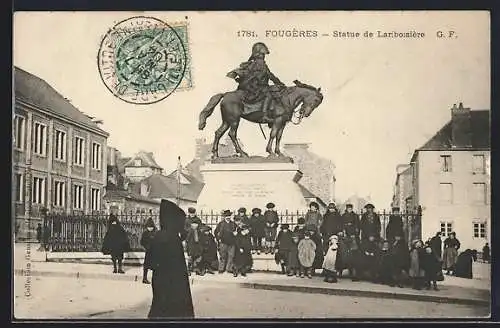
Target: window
{"type": "Point", "coordinates": [79, 155]}
{"type": "Point", "coordinates": [60, 145]}
{"type": "Point", "coordinates": [479, 229]}
{"type": "Point", "coordinates": [19, 187]}
{"type": "Point", "coordinates": [445, 163]}
{"type": "Point", "coordinates": [78, 197]}
{"type": "Point", "coordinates": [478, 164]}
{"type": "Point", "coordinates": [38, 190]}
{"type": "Point", "coordinates": [40, 139]}
{"type": "Point", "coordinates": [95, 199]}
{"type": "Point", "coordinates": [20, 131]}
{"type": "Point", "coordinates": [479, 191]}
{"type": "Point", "coordinates": [59, 194]}
{"type": "Point", "coordinates": [137, 162]}
{"type": "Point", "coordinates": [446, 228]}
{"type": "Point", "coordinates": [446, 193]}
{"type": "Point", "coordinates": [96, 156]}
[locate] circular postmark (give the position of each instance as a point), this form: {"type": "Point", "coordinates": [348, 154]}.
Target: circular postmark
{"type": "Point", "coordinates": [142, 60]}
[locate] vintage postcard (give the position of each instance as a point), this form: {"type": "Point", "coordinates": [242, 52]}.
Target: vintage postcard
{"type": "Point", "coordinates": [210, 165]}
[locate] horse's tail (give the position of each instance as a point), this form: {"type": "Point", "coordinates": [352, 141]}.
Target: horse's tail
{"type": "Point", "coordinates": [208, 110]}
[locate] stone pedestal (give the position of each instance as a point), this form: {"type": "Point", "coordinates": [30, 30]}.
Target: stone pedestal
{"type": "Point", "coordinates": [231, 185]}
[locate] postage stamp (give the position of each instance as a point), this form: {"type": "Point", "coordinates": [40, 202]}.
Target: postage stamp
{"type": "Point", "coordinates": [143, 60]}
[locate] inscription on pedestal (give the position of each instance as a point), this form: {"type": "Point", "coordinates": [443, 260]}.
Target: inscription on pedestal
{"type": "Point", "coordinates": [243, 190]}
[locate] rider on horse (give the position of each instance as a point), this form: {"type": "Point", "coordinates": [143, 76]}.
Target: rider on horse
{"type": "Point", "coordinates": [253, 78]}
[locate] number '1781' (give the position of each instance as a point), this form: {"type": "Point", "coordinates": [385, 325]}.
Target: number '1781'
{"type": "Point", "coordinates": [246, 34]}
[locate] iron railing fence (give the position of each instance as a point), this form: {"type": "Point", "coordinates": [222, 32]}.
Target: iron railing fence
{"type": "Point", "coordinates": [85, 233]}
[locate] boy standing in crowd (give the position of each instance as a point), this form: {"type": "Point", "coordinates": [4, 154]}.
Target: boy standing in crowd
{"type": "Point", "coordinates": [284, 243]}
{"type": "Point", "coordinates": [243, 253]}
{"type": "Point", "coordinates": [194, 245]}
{"type": "Point", "coordinates": [271, 219]}
{"type": "Point", "coordinates": [257, 230]}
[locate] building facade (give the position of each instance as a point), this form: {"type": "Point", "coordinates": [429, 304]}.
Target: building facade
{"type": "Point", "coordinates": [451, 181]}
{"type": "Point", "coordinates": [403, 192]}
{"type": "Point", "coordinates": [58, 155]}
{"type": "Point", "coordinates": [141, 166]}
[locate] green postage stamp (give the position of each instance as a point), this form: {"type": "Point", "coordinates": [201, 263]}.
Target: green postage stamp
{"type": "Point", "coordinates": [142, 60]}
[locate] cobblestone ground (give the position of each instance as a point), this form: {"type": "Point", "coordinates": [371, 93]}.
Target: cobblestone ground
{"type": "Point", "coordinates": [235, 302]}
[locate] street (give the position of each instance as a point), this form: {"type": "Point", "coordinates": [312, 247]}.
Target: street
{"type": "Point", "coordinates": [61, 297]}
{"type": "Point", "coordinates": [235, 302]}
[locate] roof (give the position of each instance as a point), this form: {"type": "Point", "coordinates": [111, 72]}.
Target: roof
{"type": "Point", "coordinates": [115, 193]}
{"type": "Point", "coordinates": [147, 159]}
{"type": "Point", "coordinates": [38, 93]}
{"type": "Point", "coordinates": [308, 194]}
{"type": "Point", "coordinates": [120, 163]}
{"type": "Point", "coordinates": [442, 140]}
{"type": "Point", "coordinates": [480, 136]}
{"type": "Point", "coordinates": [162, 186]}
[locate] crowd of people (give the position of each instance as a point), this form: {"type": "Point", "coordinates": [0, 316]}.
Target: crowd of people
{"type": "Point", "coordinates": [330, 245]}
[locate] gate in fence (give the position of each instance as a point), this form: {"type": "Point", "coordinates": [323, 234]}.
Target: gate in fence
{"type": "Point", "coordinates": [85, 233]}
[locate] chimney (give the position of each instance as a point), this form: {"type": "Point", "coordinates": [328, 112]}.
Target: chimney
{"type": "Point", "coordinates": [112, 156]}
{"type": "Point", "coordinates": [461, 134]}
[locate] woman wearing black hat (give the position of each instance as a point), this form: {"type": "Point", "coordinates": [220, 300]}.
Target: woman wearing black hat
{"type": "Point", "coordinates": [171, 290]}
{"type": "Point", "coordinates": [257, 229]}
{"type": "Point", "coordinates": [146, 239]}
{"type": "Point", "coordinates": [115, 243]}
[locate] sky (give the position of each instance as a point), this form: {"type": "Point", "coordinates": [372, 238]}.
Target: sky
{"type": "Point", "coordinates": [383, 98]}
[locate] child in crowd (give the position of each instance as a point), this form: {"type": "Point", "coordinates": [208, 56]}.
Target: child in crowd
{"type": "Point", "coordinates": [271, 219]}
{"type": "Point", "coordinates": [300, 228]}
{"type": "Point", "coordinates": [385, 265]}
{"type": "Point", "coordinates": [257, 230]}
{"type": "Point", "coordinates": [293, 257]}
{"type": "Point", "coordinates": [431, 266]}
{"type": "Point", "coordinates": [209, 261]}
{"type": "Point", "coordinates": [340, 263]}
{"type": "Point", "coordinates": [284, 243]}
{"type": "Point", "coordinates": [416, 271]}
{"type": "Point", "coordinates": [194, 246]}
{"type": "Point", "coordinates": [146, 239]}
{"type": "Point", "coordinates": [330, 260]}
{"type": "Point", "coordinates": [243, 252]}
{"type": "Point", "coordinates": [400, 259]}
{"type": "Point", "coordinates": [318, 255]}
{"type": "Point", "coordinates": [307, 252]}
{"type": "Point", "coordinates": [354, 257]}
{"type": "Point", "coordinates": [370, 258]}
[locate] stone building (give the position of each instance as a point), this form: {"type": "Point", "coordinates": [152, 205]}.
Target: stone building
{"type": "Point", "coordinates": [451, 180]}
{"type": "Point", "coordinates": [58, 155]}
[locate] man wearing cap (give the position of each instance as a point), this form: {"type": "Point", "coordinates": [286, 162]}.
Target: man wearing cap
{"type": "Point", "coordinates": [271, 219]}
{"type": "Point", "coordinates": [313, 216]}
{"type": "Point", "coordinates": [242, 216]}
{"type": "Point", "coordinates": [331, 225]}
{"type": "Point", "coordinates": [191, 217]}
{"type": "Point", "coordinates": [350, 221]}
{"type": "Point", "coordinates": [225, 233]}
{"type": "Point", "coordinates": [257, 229]}
{"type": "Point", "coordinates": [395, 225]}
{"type": "Point", "coordinates": [370, 223]}
{"type": "Point", "coordinates": [300, 228]}
{"type": "Point", "coordinates": [243, 257]}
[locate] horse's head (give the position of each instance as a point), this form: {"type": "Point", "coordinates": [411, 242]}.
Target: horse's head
{"type": "Point", "coordinates": [311, 99]}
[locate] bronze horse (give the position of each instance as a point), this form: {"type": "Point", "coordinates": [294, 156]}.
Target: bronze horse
{"type": "Point", "coordinates": [284, 109]}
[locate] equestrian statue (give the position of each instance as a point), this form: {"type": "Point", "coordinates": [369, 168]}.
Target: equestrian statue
{"type": "Point", "coordinates": [257, 101]}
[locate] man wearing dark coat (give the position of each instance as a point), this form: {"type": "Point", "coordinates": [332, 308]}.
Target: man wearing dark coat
{"type": "Point", "coordinates": [209, 260]}
{"type": "Point", "coordinates": [171, 290]}
{"type": "Point", "coordinates": [194, 242]}
{"type": "Point", "coordinates": [313, 216]}
{"type": "Point", "coordinates": [115, 243]}
{"type": "Point", "coordinates": [300, 228]}
{"type": "Point", "coordinates": [395, 225]}
{"type": "Point", "coordinates": [242, 216]}
{"type": "Point", "coordinates": [146, 239]}
{"type": "Point", "coordinates": [486, 253]}
{"type": "Point", "coordinates": [284, 243]}
{"type": "Point", "coordinates": [350, 221]}
{"type": "Point", "coordinates": [243, 253]}
{"type": "Point", "coordinates": [370, 223]}
{"type": "Point", "coordinates": [370, 250]}
{"type": "Point", "coordinates": [400, 259]}
{"type": "Point", "coordinates": [191, 217]}
{"type": "Point", "coordinates": [257, 229]}
{"type": "Point", "coordinates": [331, 225]}
{"type": "Point", "coordinates": [437, 245]}
{"type": "Point", "coordinates": [225, 233]}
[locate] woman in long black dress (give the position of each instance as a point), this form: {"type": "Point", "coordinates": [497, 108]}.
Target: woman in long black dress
{"type": "Point", "coordinates": [171, 290]}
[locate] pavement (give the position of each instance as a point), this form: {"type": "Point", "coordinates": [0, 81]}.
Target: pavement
{"type": "Point", "coordinates": [29, 262]}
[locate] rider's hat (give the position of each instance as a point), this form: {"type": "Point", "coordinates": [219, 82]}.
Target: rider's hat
{"type": "Point", "coordinates": [259, 48]}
